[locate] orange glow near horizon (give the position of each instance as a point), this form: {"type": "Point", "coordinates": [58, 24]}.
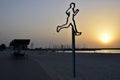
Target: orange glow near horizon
{"type": "Point", "coordinates": [105, 35]}
{"type": "Point", "coordinates": [101, 28]}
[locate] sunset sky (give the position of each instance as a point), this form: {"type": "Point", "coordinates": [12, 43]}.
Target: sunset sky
{"type": "Point", "coordinates": [98, 20]}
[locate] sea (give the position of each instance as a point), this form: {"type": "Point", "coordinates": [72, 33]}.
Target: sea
{"type": "Point", "coordinates": [96, 51]}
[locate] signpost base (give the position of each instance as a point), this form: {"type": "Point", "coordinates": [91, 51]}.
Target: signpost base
{"type": "Point", "coordinates": [73, 52]}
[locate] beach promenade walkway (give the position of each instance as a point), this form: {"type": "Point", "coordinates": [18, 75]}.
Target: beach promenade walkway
{"type": "Point", "coordinates": [21, 69]}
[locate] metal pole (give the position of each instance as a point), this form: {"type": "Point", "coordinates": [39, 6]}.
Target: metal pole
{"type": "Point", "coordinates": [73, 52]}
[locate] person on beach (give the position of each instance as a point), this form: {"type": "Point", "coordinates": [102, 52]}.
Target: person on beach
{"type": "Point", "coordinates": [71, 13]}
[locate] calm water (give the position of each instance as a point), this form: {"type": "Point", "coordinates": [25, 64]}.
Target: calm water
{"type": "Point", "coordinates": [108, 51]}
{"type": "Point", "coordinates": [97, 51]}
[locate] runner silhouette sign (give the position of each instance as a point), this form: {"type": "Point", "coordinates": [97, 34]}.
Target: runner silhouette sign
{"type": "Point", "coordinates": [71, 13]}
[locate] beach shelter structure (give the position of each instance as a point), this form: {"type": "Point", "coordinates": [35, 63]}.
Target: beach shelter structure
{"type": "Point", "coordinates": [20, 44]}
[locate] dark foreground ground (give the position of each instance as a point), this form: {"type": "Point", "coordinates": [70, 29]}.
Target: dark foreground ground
{"type": "Point", "coordinates": [94, 66]}
{"type": "Point", "coordinates": [99, 66]}
{"type": "Point", "coordinates": [21, 69]}
{"type": "Point", "coordinates": [58, 66]}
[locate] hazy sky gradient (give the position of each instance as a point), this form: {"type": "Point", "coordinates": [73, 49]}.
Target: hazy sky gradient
{"type": "Point", "coordinates": [37, 20]}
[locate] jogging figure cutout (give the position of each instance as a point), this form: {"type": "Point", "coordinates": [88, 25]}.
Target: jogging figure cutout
{"type": "Point", "coordinates": [71, 13]}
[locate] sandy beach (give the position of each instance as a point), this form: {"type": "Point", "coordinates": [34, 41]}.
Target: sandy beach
{"type": "Point", "coordinates": [88, 66]}
{"type": "Point", "coordinates": [20, 68]}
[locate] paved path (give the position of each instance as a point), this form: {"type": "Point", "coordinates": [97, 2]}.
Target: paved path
{"type": "Point", "coordinates": [21, 69]}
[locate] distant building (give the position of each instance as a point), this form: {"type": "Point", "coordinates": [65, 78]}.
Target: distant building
{"type": "Point", "coordinates": [21, 44]}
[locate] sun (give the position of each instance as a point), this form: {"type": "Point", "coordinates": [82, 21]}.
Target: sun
{"type": "Point", "coordinates": [105, 38]}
